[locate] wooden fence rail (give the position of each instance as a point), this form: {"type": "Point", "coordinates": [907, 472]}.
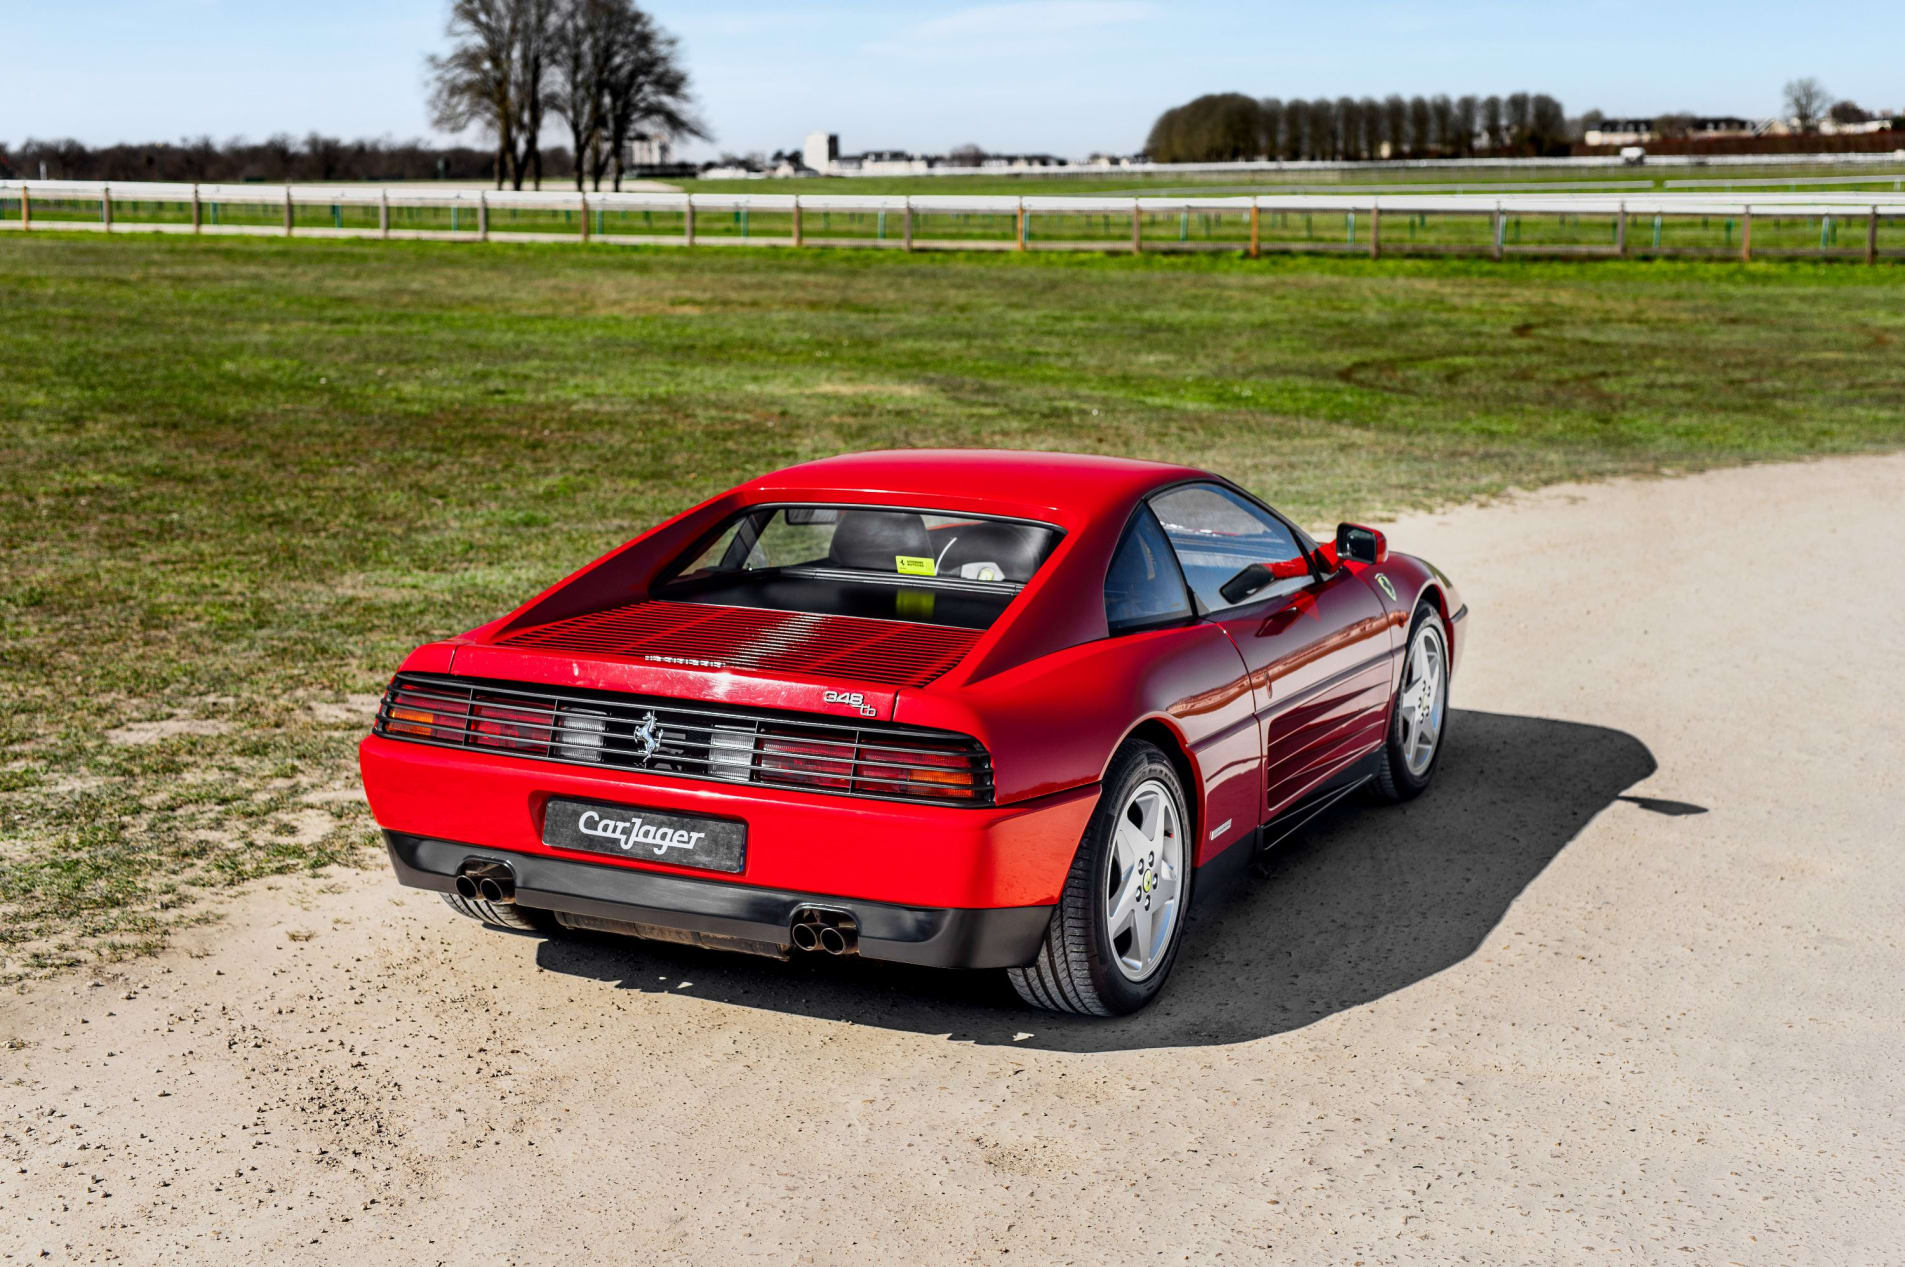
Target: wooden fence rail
{"type": "Point", "coordinates": [1563, 224]}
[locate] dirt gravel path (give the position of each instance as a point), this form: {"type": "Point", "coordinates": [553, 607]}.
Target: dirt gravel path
{"type": "Point", "coordinates": [1628, 982]}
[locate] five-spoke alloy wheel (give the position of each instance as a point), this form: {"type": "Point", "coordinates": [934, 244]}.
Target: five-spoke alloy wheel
{"type": "Point", "coordinates": [1421, 713]}
{"type": "Point", "coordinates": [1120, 920]}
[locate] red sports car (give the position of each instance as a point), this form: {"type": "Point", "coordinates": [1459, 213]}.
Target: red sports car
{"type": "Point", "coordinates": [967, 709]}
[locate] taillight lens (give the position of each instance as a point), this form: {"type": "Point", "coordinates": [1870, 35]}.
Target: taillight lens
{"type": "Point", "coordinates": [580, 733]}
{"type": "Point", "coordinates": [494, 725]}
{"type": "Point", "coordinates": [731, 754]}
{"type": "Point", "coordinates": [420, 715]}
{"type": "Point", "coordinates": [935, 774]}
{"type": "Point", "coordinates": [808, 762]}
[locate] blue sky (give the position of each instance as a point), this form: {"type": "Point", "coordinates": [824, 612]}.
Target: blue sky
{"type": "Point", "coordinates": [1066, 76]}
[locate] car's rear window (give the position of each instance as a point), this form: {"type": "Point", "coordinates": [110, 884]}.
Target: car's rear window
{"type": "Point", "coordinates": [905, 564]}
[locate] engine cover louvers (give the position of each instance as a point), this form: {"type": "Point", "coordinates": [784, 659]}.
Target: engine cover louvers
{"type": "Point", "coordinates": [887, 652]}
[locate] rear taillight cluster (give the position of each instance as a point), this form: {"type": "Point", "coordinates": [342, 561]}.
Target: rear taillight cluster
{"type": "Point", "coordinates": [926, 769]}
{"type": "Point", "coordinates": [680, 738]}
{"type": "Point", "coordinates": [476, 722]}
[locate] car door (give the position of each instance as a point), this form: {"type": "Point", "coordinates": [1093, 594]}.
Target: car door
{"type": "Point", "coordinates": [1316, 646]}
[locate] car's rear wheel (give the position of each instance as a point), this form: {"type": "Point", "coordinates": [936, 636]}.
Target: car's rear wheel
{"type": "Point", "coordinates": [508, 915]}
{"type": "Point", "coordinates": [1418, 719]}
{"type": "Point", "coordinates": [1115, 933]}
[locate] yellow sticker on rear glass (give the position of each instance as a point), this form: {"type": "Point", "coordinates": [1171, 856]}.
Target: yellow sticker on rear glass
{"type": "Point", "coordinates": [912, 565]}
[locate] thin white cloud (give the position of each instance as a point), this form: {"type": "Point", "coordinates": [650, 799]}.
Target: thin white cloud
{"type": "Point", "coordinates": [1032, 18]}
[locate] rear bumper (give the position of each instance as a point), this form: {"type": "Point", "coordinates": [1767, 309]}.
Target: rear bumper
{"type": "Point", "coordinates": [939, 937]}
{"type": "Point", "coordinates": [848, 848]}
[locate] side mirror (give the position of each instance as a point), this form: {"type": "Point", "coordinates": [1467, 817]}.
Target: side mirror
{"type": "Point", "coordinates": [1357, 544]}
{"type": "Point", "coordinates": [1257, 575]}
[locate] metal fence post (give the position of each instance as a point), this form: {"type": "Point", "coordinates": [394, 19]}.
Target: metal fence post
{"type": "Point", "coordinates": [197, 214]}
{"type": "Point", "coordinates": [383, 213]}
{"type": "Point", "coordinates": [1500, 225]}
{"type": "Point", "coordinates": [798, 241]}
{"type": "Point", "coordinates": [688, 221]}
{"type": "Point", "coordinates": [1872, 236]}
{"type": "Point", "coordinates": [1620, 231]}
{"type": "Point", "coordinates": [1137, 228]}
{"type": "Point", "coordinates": [482, 215]}
{"type": "Point", "coordinates": [584, 217]}
{"type": "Point", "coordinates": [105, 206]}
{"type": "Point", "coordinates": [906, 224]}
{"type": "Point", "coordinates": [287, 211]}
{"type": "Point", "coordinates": [1375, 230]}
{"type": "Point", "coordinates": [1256, 242]}
{"type": "Point", "coordinates": [1746, 234]}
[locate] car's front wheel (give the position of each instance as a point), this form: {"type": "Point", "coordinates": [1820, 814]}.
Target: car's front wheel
{"type": "Point", "coordinates": [1118, 924]}
{"type": "Point", "coordinates": [1418, 720]}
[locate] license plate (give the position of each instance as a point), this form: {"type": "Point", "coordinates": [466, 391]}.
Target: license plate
{"type": "Point", "coordinates": [624, 831]}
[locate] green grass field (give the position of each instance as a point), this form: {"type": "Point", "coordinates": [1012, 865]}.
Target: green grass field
{"type": "Point", "coordinates": [239, 478]}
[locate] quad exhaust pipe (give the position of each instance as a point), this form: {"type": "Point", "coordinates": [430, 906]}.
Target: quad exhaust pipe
{"type": "Point", "coordinates": [819, 928]}
{"type": "Point", "coordinates": [488, 881]}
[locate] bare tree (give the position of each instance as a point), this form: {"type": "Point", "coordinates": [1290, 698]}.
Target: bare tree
{"type": "Point", "coordinates": [1349, 128]}
{"type": "Point", "coordinates": [583, 50]}
{"type": "Point", "coordinates": [1520, 118]}
{"type": "Point", "coordinates": [1806, 101]}
{"type": "Point", "coordinates": [1395, 124]}
{"type": "Point", "coordinates": [535, 21]}
{"type": "Point", "coordinates": [1494, 130]}
{"type": "Point", "coordinates": [1418, 127]}
{"type": "Point", "coordinates": [324, 155]}
{"type": "Point", "coordinates": [1442, 123]}
{"type": "Point", "coordinates": [282, 151]}
{"type": "Point", "coordinates": [476, 82]}
{"type": "Point", "coordinates": [648, 87]}
{"type": "Point", "coordinates": [1465, 122]}
{"type": "Point", "coordinates": [1270, 127]}
{"type": "Point", "coordinates": [1547, 125]}
{"type": "Point", "coordinates": [1371, 111]}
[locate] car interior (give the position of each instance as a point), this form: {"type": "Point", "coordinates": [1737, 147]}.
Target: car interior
{"type": "Point", "coordinates": [888, 564]}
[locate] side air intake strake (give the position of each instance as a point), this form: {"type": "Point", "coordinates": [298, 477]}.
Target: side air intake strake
{"type": "Point", "coordinates": [886, 652]}
{"type": "Point", "coordinates": [687, 739]}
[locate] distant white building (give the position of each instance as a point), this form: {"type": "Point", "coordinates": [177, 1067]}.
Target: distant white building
{"type": "Point", "coordinates": [820, 151]}
{"type": "Point", "coordinates": [645, 150]}
{"type": "Point", "coordinates": [1642, 131]}
{"type": "Point", "coordinates": [1832, 127]}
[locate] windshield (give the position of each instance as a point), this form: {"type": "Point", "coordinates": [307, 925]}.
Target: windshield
{"type": "Point", "coordinates": [898, 564]}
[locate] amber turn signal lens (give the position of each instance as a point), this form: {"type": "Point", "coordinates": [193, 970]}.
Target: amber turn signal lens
{"type": "Point", "coordinates": [411, 721]}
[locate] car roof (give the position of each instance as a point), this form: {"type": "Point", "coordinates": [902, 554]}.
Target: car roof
{"type": "Point", "coordinates": [1056, 487]}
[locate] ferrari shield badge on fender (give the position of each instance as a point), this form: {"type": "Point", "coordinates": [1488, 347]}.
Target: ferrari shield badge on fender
{"type": "Point", "coordinates": [1386, 587]}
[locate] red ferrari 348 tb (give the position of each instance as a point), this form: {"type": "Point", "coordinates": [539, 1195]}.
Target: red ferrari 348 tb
{"type": "Point", "coordinates": [967, 709]}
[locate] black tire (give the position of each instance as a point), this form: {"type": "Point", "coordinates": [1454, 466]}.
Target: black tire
{"type": "Point", "coordinates": [1394, 780]}
{"type": "Point", "coordinates": [1075, 970]}
{"type": "Point", "coordinates": [519, 919]}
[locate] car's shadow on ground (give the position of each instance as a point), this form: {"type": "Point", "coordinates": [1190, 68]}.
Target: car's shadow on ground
{"type": "Point", "coordinates": [1369, 900]}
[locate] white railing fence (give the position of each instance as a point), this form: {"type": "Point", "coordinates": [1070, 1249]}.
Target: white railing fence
{"type": "Point", "coordinates": [1702, 223]}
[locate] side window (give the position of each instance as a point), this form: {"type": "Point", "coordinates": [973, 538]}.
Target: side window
{"type": "Point", "coordinates": [1143, 586]}
{"type": "Point", "coordinates": [1216, 534]}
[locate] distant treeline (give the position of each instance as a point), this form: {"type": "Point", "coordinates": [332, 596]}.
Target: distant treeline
{"type": "Point", "coordinates": [276, 159]}
{"type": "Point", "coordinates": [1225, 127]}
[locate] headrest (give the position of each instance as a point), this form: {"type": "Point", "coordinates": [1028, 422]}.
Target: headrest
{"type": "Point", "coordinates": [872, 539]}
{"type": "Point", "coordinates": [1016, 549]}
